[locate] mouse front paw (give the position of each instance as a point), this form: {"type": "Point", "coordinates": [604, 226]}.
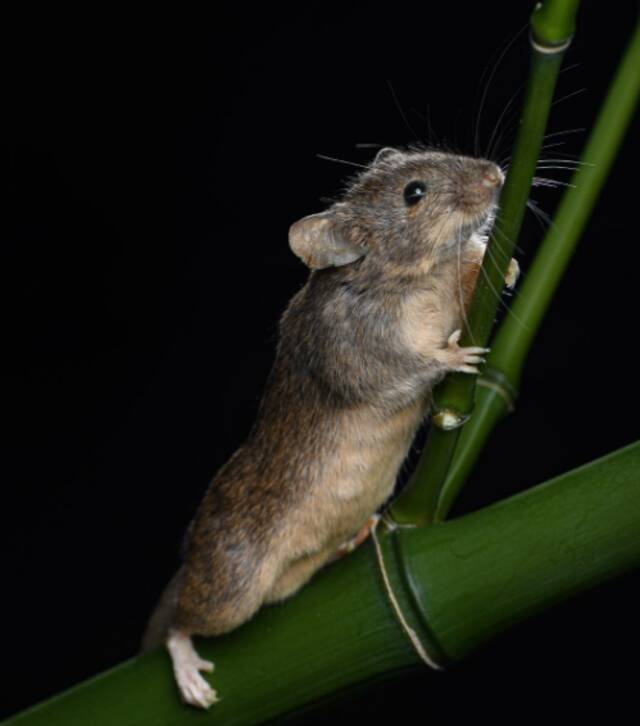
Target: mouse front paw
{"type": "Point", "coordinates": [460, 359]}
{"type": "Point", "coordinates": [513, 273]}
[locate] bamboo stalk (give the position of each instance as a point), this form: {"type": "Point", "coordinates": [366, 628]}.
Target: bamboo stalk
{"type": "Point", "coordinates": [552, 25]}
{"type": "Point", "coordinates": [515, 335]}
{"type": "Point", "coordinates": [479, 574]}
{"type": "Point", "coordinates": [458, 584]}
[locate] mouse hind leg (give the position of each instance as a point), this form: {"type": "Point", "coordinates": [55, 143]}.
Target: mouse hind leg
{"type": "Point", "coordinates": [346, 547]}
{"type": "Point", "coordinates": [300, 571]}
{"type": "Point", "coordinates": [297, 573]}
{"type": "Point", "coordinates": [187, 664]}
{"type": "Point", "coordinates": [211, 605]}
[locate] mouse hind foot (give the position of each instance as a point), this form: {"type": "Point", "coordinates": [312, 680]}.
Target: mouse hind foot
{"type": "Point", "coordinates": [187, 665]}
{"type": "Point", "coordinates": [350, 545]}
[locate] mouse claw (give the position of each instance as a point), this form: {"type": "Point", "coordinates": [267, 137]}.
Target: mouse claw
{"type": "Point", "coordinates": [198, 692]}
{"type": "Point", "coordinates": [205, 665]}
{"type": "Point", "coordinates": [466, 369]}
{"type": "Point", "coordinates": [453, 339]}
{"type": "Point", "coordinates": [475, 359]}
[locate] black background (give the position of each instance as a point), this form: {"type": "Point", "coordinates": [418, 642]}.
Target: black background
{"type": "Point", "coordinates": [151, 168]}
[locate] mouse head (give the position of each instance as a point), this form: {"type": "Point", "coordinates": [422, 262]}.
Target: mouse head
{"type": "Point", "coordinates": [406, 210]}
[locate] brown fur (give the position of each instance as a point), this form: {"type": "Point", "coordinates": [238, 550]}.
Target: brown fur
{"type": "Point", "coordinates": [360, 348]}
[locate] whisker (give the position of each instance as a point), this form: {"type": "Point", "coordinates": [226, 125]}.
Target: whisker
{"type": "Point", "coordinates": [536, 215]}
{"type": "Point", "coordinates": [550, 163]}
{"type": "Point", "coordinates": [571, 157]}
{"type": "Point", "coordinates": [550, 146]}
{"type": "Point", "coordinates": [569, 161]}
{"type": "Point", "coordinates": [507, 157]}
{"type": "Point", "coordinates": [562, 133]}
{"type": "Point", "coordinates": [570, 68]}
{"type": "Point", "coordinates": [486, 88]}
{"type": "Point", "coordinates": [513, 127]}
{"type": "Point", "coordinates": [540, 214]}
{"type": "Point", "coordinates": [568, 96]}
{"type": "Point", "coordinates": [463, 311]}
{"type": "Point", "coordinates": [430, 134]}
{"type": "Point", "coordinates": [496, 228]}
{"type": "Point", "coordinates": [561, 167]}
{"type": "Point", "coordinates": [497, 126]}
{"type": "Point", "coordinates": [497, 294]}
{"type": "Point", "coordinates": [542, 181]}
{"type": "Point", "coordinates": [506, 307]}
{"type": "Point", "coordinates": [399, 107]}
{"type": "Point", "coordinates": [341, 161]}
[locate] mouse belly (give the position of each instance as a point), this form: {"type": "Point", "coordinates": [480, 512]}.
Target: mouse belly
{"type": "Point", "coordinates": [358, 475]}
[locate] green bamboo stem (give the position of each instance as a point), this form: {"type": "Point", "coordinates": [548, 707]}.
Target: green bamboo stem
{"type": "Point", "coordinates": [551, 22]}
{"type": "Point", "coordinates": [515, 335]}
{"type": "Point", "coordinates": [460, 572]}
{"type": "Point", "coordinates": [458, 583]}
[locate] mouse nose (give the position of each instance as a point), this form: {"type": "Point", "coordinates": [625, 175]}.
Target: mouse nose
{"type": "Point", "coordinates": [493, 177]}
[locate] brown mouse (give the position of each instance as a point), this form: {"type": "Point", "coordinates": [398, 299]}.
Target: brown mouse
{"type": "Point", "coordinates": [361, 345]}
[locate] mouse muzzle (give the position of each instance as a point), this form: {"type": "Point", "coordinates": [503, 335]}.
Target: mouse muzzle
{"type": "Point", "coordinates": [478, 190]}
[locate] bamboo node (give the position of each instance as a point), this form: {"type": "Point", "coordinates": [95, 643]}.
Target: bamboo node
{"type": "Point", "coordinates": [391, 524]}
{"type": "Point", "coordinates": [408, 630]}
{"type": "Point", "coordinates": [549, 48]}
{"type": "Point", "coordinates": [498, 383]}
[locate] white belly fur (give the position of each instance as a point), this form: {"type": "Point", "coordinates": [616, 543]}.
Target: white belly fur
{"type": "Point", "coordinates": [359, 475]}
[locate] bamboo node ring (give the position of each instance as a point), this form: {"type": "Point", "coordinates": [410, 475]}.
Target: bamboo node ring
{"type": "Point", "coordinates": [408, 630]}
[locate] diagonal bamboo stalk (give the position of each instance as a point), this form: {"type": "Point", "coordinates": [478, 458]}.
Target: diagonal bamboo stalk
{"type": "Point", "coordinates": [552, 25]}
{"type": "Point", "coordinates": [458, 583]}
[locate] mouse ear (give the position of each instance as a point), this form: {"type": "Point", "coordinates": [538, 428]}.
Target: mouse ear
{"type": "Point", "coordinates": [385, 153]}
{"type": "Point", "coordinates": [318, 244]}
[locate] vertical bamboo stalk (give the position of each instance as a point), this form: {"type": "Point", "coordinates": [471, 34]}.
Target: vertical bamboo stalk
{"type": "Point", "coordinates": [515, 335]}
{"type": "Point", "coordinates": [552, 25]}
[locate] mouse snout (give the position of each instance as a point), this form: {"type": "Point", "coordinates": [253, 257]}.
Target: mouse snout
{"type": "Point", "coordinates": [492, 177]}
{"type": "Point", "coordinates": [479, 187]}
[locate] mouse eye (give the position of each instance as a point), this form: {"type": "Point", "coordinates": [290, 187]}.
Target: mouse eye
{"type": "Point", "coordinates": [413, 192]}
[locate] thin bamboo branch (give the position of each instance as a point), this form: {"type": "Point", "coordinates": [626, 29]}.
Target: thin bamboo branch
{"type": "Point", "coordinates": [552, 26]}
{"type": "Point", "coordinates": [458, 583]}
{"type": "Point", "coordinates": [515, 335]}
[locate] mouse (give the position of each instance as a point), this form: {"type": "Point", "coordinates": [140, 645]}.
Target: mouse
{"type": "Point", "coordinates": [392, 268]}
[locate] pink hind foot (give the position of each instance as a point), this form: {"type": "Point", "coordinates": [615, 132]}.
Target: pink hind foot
{"type": "Point", "coordinates": [187, 665]}
{"type": "Point", "coordinates": [362, 534]}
